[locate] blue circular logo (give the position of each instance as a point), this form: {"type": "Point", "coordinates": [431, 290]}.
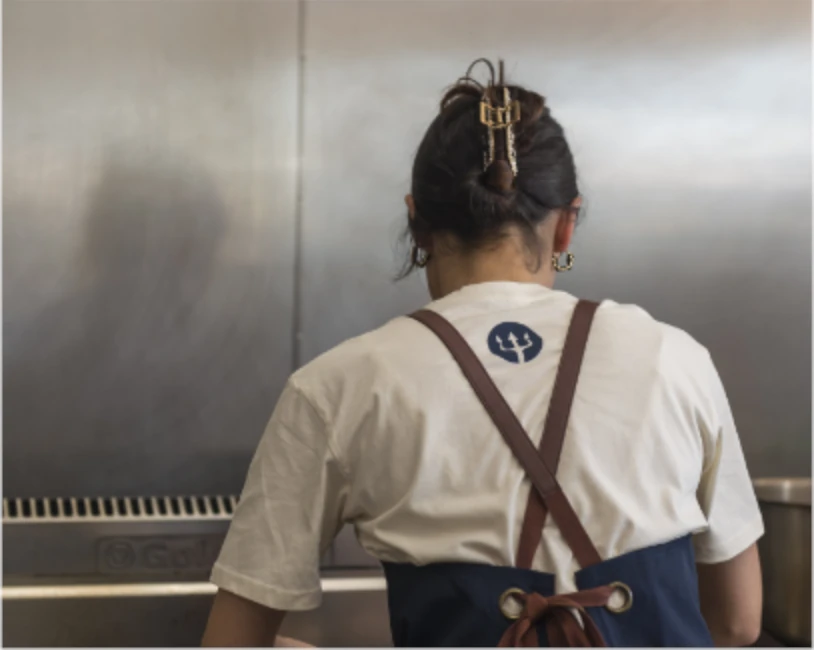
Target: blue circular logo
{"type": "Point", "coordinates": [515, 343]}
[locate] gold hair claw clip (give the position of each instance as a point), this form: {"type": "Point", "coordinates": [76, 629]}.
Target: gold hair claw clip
{"type": "Point", "coordinates": [500, 118]}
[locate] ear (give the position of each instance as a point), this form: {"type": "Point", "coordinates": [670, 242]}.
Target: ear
{"type": "Point", "coordinates": [566, 222]}
{"type": "Point", "coordinates": [408, 200]}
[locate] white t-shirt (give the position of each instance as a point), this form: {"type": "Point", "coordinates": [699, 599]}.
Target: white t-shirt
{"type": "Point", "coordinates": [383, 432]}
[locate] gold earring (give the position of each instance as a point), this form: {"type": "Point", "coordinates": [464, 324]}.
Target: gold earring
{"type": "Point", "coordinates": [420, 257]}
{"type": "Point", "coordinates": [569, 262]}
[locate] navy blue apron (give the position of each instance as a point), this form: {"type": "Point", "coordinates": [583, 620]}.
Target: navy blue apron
{"type": "Point", "coordinates": [472, 605]}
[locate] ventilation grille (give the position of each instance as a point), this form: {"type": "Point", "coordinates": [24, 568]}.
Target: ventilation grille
{"type": "Point", "coordinates": [124, 508]}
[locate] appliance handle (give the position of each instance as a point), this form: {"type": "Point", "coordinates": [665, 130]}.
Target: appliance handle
{"type": "Point", "coordinates": [153, 589]}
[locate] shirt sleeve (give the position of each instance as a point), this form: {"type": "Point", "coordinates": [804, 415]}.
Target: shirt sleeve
{"type": "Point", "coordinates": [289, 512]}
{"type": "Point", "coordinates": [725, 492]}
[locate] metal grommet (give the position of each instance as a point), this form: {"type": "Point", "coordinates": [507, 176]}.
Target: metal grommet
{"type": "Point", "coordinates": [621, 587]}
{"type": "Point", "coordinates": [505, 603]}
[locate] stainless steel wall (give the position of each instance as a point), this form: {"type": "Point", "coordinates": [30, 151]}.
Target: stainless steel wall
{"type": "Point", "coordinates": [149, 200]}
{"type": "Point", "coordinates": [691, 127]}
{"type": "Point", "coordinates": [150, 184]}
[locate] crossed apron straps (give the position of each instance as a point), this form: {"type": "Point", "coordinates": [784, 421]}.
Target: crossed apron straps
{"type": "Point", "coordinates": [556, 424]}
{"type": "Point", "coordinates": [540, 466]}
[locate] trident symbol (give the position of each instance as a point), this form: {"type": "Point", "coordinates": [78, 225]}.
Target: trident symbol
{"type": "Point", "coordinates": [515, 346]}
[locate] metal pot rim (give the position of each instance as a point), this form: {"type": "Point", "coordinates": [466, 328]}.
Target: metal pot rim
{"type": "Point", "coordinates": [787, 491]}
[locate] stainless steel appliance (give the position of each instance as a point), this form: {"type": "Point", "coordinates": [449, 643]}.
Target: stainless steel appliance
{"type": "Point", "coordinates": [134, 572]}
{"type": "Point", "coordinates": [785, 554]}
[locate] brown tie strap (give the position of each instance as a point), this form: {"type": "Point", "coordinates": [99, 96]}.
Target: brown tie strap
{"type": "Point", "coordinates": [562, 628]}
{"type": "Point", "coordinates": [542, 478]}
{"type": "Point", "coordinates": [556, 424]}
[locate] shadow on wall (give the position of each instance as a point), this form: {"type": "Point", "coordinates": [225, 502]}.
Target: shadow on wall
{"type": "Point", "coordinates": [122, 386]}
{"type": "Point", "coordinates": [152, 236]}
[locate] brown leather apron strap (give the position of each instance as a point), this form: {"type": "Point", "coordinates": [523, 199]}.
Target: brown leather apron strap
{"type": "Point", "coordinates": [516, 437]}
{"type": "Point", "coordinates": [562, 628]}
{"type": "Point", "coordinates": [556, 424]}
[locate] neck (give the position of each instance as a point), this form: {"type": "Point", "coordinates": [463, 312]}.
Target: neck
{"type": "Point", "coordinates": [509, 261]}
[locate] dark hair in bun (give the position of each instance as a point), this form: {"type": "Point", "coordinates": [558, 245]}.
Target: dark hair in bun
{"type": "Point", "coordinates": [452, 191]}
